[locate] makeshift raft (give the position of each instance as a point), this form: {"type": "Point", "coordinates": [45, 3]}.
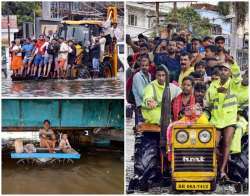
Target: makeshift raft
{"type": "Point", "coordinates": [19, 78]}
{"type": "Point", "coordinates": [43, 157]}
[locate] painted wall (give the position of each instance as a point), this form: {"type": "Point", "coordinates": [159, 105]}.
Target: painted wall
{"type": "Point", "coordinates": [63, 113]}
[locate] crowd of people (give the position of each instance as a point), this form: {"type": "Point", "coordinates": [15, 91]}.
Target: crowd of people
{"type": "Point", "coordinates": [49, 57]}
{"type": "Point", "coordinates": [201, 73]}
{"type": "Point", "coordinates": [53, 58]}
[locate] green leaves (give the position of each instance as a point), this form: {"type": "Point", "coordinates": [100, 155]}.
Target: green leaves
{"type": "Point", "coordinates": [239, 8]}
{"type": "Point", "coordinates": [23, 10]}
{"type": "Point", "coordinates": [186, 17]}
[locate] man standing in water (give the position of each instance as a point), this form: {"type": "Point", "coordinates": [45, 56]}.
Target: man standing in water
{"type": "Point", "coordinates": [47, 137]}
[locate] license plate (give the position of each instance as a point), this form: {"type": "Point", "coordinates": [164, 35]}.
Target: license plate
{"type": "Point", "coordinates": [193, 186]}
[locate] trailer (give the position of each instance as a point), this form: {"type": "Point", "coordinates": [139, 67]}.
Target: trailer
{"type": "Point", "coordinates": [93, 118]}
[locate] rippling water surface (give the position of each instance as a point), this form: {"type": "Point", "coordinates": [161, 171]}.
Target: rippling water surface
{"type": "Point", "coordinates": [100, 173]}
{"type": "Point", "coordinates": [64, 88]}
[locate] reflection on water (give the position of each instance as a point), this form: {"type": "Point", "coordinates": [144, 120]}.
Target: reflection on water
{"type": "Point", "coordinates": [100, 173]}
{"type": "Point", "coordinates": [64, 88]}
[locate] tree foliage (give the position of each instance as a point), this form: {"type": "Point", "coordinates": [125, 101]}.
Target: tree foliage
{"type": "Point", "coordinates": [223, 8]}
{"type": "Point", "coordinates": [23, 10]}
{"type": "Point", "coordinates": [240, 8]}
{"type": "Point", "coordinates": [186, 17]}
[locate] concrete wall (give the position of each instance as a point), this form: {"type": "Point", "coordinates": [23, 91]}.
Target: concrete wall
{"type": "Point", "coordinates": [5, 35]}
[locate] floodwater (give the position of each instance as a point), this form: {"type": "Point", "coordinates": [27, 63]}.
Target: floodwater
{"type": "Point", "coordinates": [64, 88]}
{"type": "Point", "coordinates": [98, 173]}
{"type": "Point", "coordinates": [130, 141]}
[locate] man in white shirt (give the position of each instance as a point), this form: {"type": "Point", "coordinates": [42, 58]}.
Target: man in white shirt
{"type": "Point", "coordinates": [117, 32]}
{"type": "Point", "coordinates": [63, 56]}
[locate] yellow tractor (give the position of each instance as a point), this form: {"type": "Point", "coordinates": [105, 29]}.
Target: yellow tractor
{"type": "Point", "coordinates": [81, 31]}
{"type": "Point", "coordinates": [193, 164]}
{"type": "Point", "coordinates": [187, 147]}
{"type": "Point", "coordinates": [189, 154]}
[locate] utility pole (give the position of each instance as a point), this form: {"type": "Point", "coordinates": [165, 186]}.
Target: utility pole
{"type": "Point", "coordinates": [34, 25]}
{"type": "Point", "coordinates": [233, 38]}
{"type": "Point", "coordinates": [157, 19]}
{"type": "Point", "coordinates": [70, 11]}
{"type": "Point", "coordinates": [174, 9]}
{"type": "Point", "coordinates": [8, 24]}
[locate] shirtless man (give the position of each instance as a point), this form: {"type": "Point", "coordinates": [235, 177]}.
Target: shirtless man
{"type": "Point", "coordinates": [47, 137]}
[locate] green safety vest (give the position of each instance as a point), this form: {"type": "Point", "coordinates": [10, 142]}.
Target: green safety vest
{"type": "Point", "coordinates": [242, 97]}
{"type": "Point", "coordinates": [155, 91]}
{"type": "Point", "coordinates": [241, 129]}
{"type": "Point", "coordinates": [224, 106]}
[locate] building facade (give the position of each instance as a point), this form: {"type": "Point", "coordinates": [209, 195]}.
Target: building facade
{"type": "Point", "coordinates": [141, 17]}
{"type": "Point", "coordinates": [8, 35]}
{"type": "Point", "coordinates": [54, 12]}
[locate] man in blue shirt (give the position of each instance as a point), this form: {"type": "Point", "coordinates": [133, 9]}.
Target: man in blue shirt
{"type": "Point", "coordinates": [180, 46]}
{"type": "Point", "coordinates": [170, 60]}
{"type": "Point", "coordinates": [140, 80]}
{"type": "Point", "coordinates": [27, 49]}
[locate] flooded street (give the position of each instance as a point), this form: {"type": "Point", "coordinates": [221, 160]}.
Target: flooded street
{"type": "Point", "coordinates": [94, 173]}
{"type": "Point", "coordinates": [130, 141]}
{"type": "Point", "coordinates": [64, 88]}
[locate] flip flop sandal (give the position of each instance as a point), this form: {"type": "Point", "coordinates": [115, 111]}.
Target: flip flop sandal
{"type": "Point", "coordinates": [224, 178]}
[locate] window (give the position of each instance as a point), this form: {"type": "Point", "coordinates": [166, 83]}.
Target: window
{"type": "Point", "coordinates": [132, 20]}
{"type": "Point", "coordinates": [77, 33]}
{"type": "Point", "coordinates": [121, 48]}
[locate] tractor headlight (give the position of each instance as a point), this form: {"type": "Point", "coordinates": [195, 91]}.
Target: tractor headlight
{"type": "Point", "coordinates": [204, 136]}
{"type": "Point", "coordinates": [182, 136]}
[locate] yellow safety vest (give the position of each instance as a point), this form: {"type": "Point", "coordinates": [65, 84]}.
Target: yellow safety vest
{"type": "Point", "coordinates": [242, 97]}
{"type": "Point", "coordinates": [224, 106]}
{"type": "Point", "coordinates": [185, 74]}
{"type": "Point", "coordinates": [241, 128]}
{"type": "Point", "coordinates": [155, 91]}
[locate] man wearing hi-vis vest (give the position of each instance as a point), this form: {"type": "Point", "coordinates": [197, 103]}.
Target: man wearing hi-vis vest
{"type": "Point", "coordinates": [221, 99]}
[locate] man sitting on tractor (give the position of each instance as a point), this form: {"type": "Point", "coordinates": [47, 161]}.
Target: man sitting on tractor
{"type": "Point", "coordinates": [186, 98]}
{"type": "Point", "coordinates": [221, 98]}
{"type": "Point", "coordinates": [151, 109]}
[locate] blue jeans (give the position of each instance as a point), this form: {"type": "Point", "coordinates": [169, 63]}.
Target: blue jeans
{"type": "Point", "coordinates": [95, 64]}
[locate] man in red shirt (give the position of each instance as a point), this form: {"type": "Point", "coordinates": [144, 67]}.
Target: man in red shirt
{"type": "Point", "coordinates": [39, 53]}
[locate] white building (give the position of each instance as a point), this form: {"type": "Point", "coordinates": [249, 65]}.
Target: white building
{"type": "Point", "coordinates": [4, 29]}
{"type": "Point", "coordinates": [141, 17]}
{"type": "Point", "coordinates": [53, 13]}
{"type": "Point", "coordinates": [241, 38]}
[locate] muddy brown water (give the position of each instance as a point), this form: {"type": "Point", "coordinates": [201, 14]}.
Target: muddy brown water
{"type": "Point", "coordinates": [64, 88]}
{"type": "Point", "coordinates": [94, 173]}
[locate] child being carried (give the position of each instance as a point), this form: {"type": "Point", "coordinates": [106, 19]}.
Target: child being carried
{"type": "Point", "coordinates": [65, 146]}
